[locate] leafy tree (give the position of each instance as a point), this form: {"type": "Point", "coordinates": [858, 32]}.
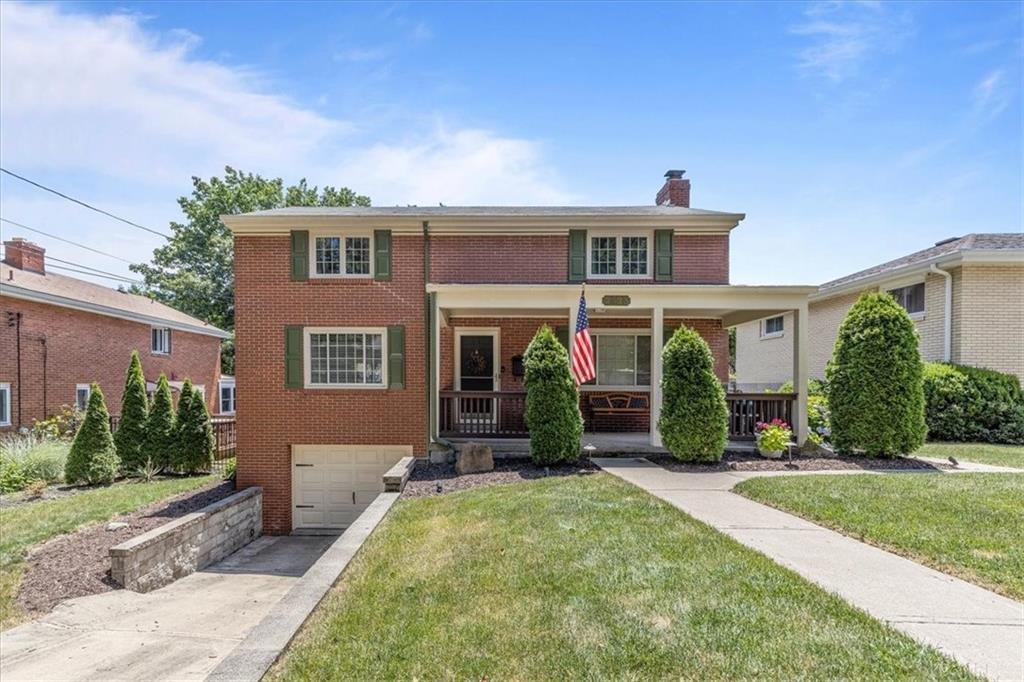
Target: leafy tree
{"type": "Point", "coordinates": [93, 457]}
{"type": "Point", "coordinates": [552, 401]}
{"type": "Point", "coordinates": [874, 380]}
{"type": "Point", "coordinates": [694, 422]}
{"type": "Point", "coordinates": [130, 437]}
{"type": "Point", "coordinates": [193, 272]}
{"type": "Point", "coordinates": [160, 427]}
{"type": "Point", "coordinates": [195, 441]}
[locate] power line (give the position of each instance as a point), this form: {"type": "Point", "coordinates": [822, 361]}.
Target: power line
{"type": "Point", "coordinates": [88, 206]}
{"type": "Point", "coordinates": [96, 270]}
{"type": "Point", "coordinates": [67, 241]}
{"type": "Point", "coordinates": [93, 274]}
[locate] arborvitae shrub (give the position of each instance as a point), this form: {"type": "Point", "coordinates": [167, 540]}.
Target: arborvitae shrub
{"type": "Point", "coordinates": [694, 422]}
{"type": "Point", "coordinates": [552, 401]}
{"type": "Point", "coordinates": [130, 437]}
{"type": "Point", "coordinates": [875, 386]}
{"type": "Point", "coordinates": [195, 439]}
{"type": "Point", "coordinates": [160, 430]}
{"type": "Point", "coordinates": [93, 457]}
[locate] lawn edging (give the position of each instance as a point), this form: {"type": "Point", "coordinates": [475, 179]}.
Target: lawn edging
{"type": "Point", "coordinates": [251, 659]}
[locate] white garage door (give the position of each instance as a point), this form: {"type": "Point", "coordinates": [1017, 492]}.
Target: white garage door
{"type": "Point", "coordinates": [333, 484]}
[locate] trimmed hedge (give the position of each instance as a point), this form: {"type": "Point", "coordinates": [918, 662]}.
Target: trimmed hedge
{"type": "Point", "coordinates": [93, 458]}
{"type": "Point", "coordinates": [552, 401]}
{"type": "Point", "coordinates": [965, 403]}
{"type": "Point", "coordinates": [130, 437]}
{"type": "Point", "coordinates": [694, 421]}
{"type": "Point", "coordinates": [160, 427]}
{"type": "Point", "coordinates": [874, 380]}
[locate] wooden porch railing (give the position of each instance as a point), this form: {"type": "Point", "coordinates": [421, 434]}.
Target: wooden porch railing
{"type": "Point", "coordinates": [747, 409]}
{"type": "Point", "coordinates": [501, 414]}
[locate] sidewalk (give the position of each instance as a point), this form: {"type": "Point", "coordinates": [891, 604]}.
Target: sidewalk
{"type": "Point", "coordinates": [979, 628]}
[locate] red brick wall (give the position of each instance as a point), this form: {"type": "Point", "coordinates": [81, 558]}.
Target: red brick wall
{"type": "Point", "coordinates": [83, 347]}
{"type": "Point", "coordinates": [270, 417]}
{"type": "Point", "coordinates": [700, 259]}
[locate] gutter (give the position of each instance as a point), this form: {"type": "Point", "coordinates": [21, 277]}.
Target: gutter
{"type": "Point", "coordinates": [947, 314]}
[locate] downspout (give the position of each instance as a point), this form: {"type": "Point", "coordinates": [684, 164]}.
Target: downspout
{"type": "Point", "coordinates": [947, 316]}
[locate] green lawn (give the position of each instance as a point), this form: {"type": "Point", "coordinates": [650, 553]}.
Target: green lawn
{"type": "Point", "coordinates": [23, 526]}
{"type": "Point", "coordinates": [968, 525]}
{"type": "Point", "coordinates": [986, 453]}
{"type": "Point", "coordinates": [582, 578]}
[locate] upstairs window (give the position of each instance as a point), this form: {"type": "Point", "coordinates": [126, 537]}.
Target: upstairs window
{"type": "Point", "coordinates": [342, 256]}
{"type": "Point", "coordinates": [619, 256]}
{"type": "Point", "coordinates": [910, 297]}
{"type": "Point", "coordinates": [160, 340]}
{"type": "Point", "coordinates": [773, 327]}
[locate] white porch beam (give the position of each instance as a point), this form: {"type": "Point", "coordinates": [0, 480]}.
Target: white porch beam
{"type": "Point", "coordinates": [657, 342]}
{"type": "Point", "coordinates": [800, 345]}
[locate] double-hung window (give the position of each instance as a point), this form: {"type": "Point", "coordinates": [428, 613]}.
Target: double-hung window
{"type": "Point", "coordinates": [341, 255]}
{"type": "Point", "coordinates": [910, 297]}
{"type": "Point", "coordinates": [772, 327]}
{"type": "Point", "coordinates": [82, 392]}
{"type": "Point", "coordinates": [227, 396]}
{"type": "Point", "coordinates": [623, 360]}
{"type": "Point", "coordinates": [345, 358]}
{"type": "Point", "coordinates": [5, 404]}
{"type": "Point", "coordinates": [619, 255]}
{"type": "Point", "coordinates": [160, 340]}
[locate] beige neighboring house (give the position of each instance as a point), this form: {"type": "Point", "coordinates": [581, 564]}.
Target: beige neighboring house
{"type": "Point", "coordinates": [965, 294]}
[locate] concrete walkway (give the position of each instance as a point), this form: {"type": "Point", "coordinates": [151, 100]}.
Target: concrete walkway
{"type": "Point", "coordinates": [977, 627]}
{"type": "Point", "coordinates": [179, 632]}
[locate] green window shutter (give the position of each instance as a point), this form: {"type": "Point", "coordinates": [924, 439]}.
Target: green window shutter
{"type": "Point", "coordinates": [300, 255]}
{"type": "Point", "coordinates": [293, 343]}
{"type": "Point", "coordinates": [577, 255]}
{"type": "Point", "coordinates": [396, 356]}
{"type": "Point", "coordinates": [382, 254]}
{"type": "Point", "coordinates": [563, 336]}
{"type": "Point", "coordinates": [663, 255]}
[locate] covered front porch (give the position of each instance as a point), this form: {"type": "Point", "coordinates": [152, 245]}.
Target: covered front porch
{"type": "Point", "coordinates": [480, 332]}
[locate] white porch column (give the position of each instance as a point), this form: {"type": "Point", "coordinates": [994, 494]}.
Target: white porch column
{"type": "Point", "coordinates": [800, 343]}
{"type": "Point", "coordinates": [657, 343]}
{"type": "Point", "coordinates": [435, 365]}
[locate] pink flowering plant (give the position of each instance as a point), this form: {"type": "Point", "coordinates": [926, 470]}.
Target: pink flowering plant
{"type": "Point", "coordinates": [772, 436]}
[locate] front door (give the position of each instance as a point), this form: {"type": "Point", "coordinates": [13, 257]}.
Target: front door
{"type": "Point", "coordinates": [476, 353]}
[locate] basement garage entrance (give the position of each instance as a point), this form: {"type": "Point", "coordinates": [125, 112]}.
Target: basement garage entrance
{"type": "Point", "coordinates": [333, 484]}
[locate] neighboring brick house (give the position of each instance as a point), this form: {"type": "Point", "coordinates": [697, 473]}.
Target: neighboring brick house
{"type": "Point", "coordinates": [60, 334]}
{"type": "Point", "coordinates": [980, 277]}
{"type": "Point", "coordinates": [367, 334]}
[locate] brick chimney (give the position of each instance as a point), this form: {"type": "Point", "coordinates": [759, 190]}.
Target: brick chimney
{"type": "Point", "coordinates": [24, 255]}
{"type": "Point", "coordinates": [675, 191]}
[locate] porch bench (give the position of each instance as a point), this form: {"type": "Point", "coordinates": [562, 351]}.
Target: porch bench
{"type": "Point", "coordinates": [616, 403]}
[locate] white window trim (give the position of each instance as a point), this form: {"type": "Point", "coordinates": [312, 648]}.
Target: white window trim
{"type": "Point", "coordinates": [307, 364]}
{"type": "Point", "coordinates": [619, 234]}
{"type": "Point", "coordinates": [168, 338]}
{"type": "Point", "coordinates": [5, 416]}
{"type": "Point", "coordinates": [494, 332]}
{"type": "Point", "coordinates": [222, 384]}
{"type": "Point", "coordinates": [88, 389]}
{"type": "Point", "coordinates": [341, 235]}
{"type": "Point", "coordinates": [764, 336]}
{"type": "Point", "coordinates": [624, 331]}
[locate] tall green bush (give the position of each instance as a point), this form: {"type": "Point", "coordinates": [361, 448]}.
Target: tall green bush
{"type": "Point", "coordinates": [93, 457]}
{"type": "Point", "coordinates": [694, 422]}
{"type": "Point", "coordinates": [965, 403]}
{"type": "Point", "coordinates": [874, 380]}
{"type": "Point", "coordinates": [160, 431]}
{"type": "Point", "coordinates": [552, 401]}
{"type": "Point", "coordinates": [130, 437]}
{"type": "Point", "coordinates": [195, 440]}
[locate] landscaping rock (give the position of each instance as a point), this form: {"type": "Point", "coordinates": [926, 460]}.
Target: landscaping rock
{"type": "Point", "coordinates": [474, 458]}
{"type": "Point", "coordinates": [116, 525]}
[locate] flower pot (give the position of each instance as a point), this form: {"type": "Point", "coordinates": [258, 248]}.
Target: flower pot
{"type": "Point", "coordinates": [770, 454]}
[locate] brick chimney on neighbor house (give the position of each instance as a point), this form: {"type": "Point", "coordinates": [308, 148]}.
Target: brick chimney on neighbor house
{"type": "Point", "coordinates": [675, 191]}
{"type": "Point", "coordinates": [24, 255]}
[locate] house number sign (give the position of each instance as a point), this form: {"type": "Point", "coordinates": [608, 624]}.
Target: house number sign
{"type": "Point", "coordinates": [615, 300]}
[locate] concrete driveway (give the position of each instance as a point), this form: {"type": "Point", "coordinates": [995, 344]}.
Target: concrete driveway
{"type": "Point", "coordinates": [179, 632]}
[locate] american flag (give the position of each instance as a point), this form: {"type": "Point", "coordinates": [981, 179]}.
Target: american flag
{"type": "Point", "coordinates": [582, 348]}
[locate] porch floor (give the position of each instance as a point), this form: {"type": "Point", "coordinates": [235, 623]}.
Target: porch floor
{"type": "Point", "coordinates": [602, 444]}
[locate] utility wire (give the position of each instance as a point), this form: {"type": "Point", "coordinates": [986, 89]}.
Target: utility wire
{"type": "Point", "coordinates": [67, 241]}
{"type": "Point", "coordinates": [96, 270]}
{"type": "Point", "coordinates": [88, 206]}
{"type": "Point", "coordinates": [93, 274]}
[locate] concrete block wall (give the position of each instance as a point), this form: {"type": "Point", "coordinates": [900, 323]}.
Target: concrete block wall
{"type": "Point", "coordinates": [188, 544]}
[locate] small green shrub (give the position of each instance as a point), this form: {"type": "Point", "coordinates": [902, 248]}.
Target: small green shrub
{"type": "Point", "coordinates": [160, 431]}
{"type": "Point", "coordinates": [552, 401]}
{"type": "Point", "coordinates": [965, 403]}
{"type": "Point", "coordinates": [874, 380]}
{"type": "Point", "coordinates": [93, 457]}
{"type": "Point", "coordinates": [130, 437]}
{"type": "Point", "coordinates": [230, 469]}
{"type": "Point", "coordinates": [694, 422]}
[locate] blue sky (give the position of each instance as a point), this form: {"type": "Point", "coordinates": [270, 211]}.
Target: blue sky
{"type": "Point", "coordinates": [848, 133]}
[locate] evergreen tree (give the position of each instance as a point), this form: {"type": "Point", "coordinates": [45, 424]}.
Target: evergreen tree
{"type": "Point", "coordinates": [130, 437]}
{"type": "Point", "coordinates": [552, 401]}
{"type": "Point", "coordinates": [160, 431]}
{"type": "Point", "coordinates": [196, 440]}
{"type": "Point", "coordinates": [694, 422]}
{"type": "Point", "coordinates": [180, 453]}
{"type": "Point", "coordinates": [93, 457]}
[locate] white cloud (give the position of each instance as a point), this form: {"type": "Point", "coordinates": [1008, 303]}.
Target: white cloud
{"type": "Point", "coordinates": [991, 95]}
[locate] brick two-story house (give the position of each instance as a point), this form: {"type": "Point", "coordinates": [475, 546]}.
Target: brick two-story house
{"type": "Point", "coordinates": [60, 334]}
{"type": "Point", "coordinates": [367, 334]}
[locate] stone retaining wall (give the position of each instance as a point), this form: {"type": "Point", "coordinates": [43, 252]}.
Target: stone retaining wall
{"type": "Point", "coordinates": [188, 544]}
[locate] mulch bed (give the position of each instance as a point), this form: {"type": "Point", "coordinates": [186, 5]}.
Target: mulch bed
{"type": "Point", "coordinates": [425, 478]}
{"type": "Point", "coordinates": [78, 564]}
{"type": "Point", "coordinates": [744, 461]}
